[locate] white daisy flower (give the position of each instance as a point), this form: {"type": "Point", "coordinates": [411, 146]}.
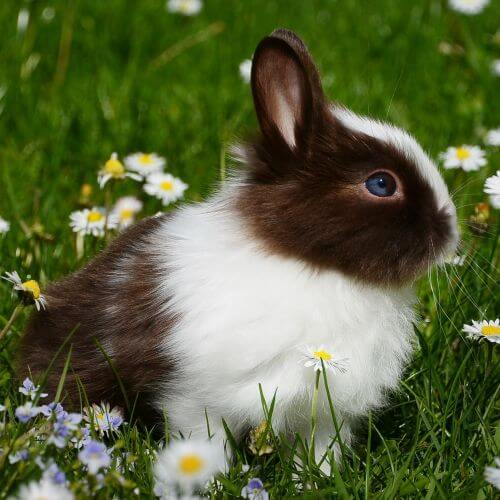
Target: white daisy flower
{"type": "Point", "coordinates": [103, 418]}
{"type": "Point", "coordinates": [44, 490]}
{"type": "Point", "coordinates": [492, 187]}
{"type": "Point", "coordinates": [165, 187]}
{"type": "Point", "coordinates": [187, 464]}
{"type": "Point", "coordinates": [185, 7]}
{"type": "Point", "coordinates": [314, 356]}
{"type": "Point", "coordinates": [28, 291]}
{"type": "Point", "coordinates": [92, 221]}
{"type": "Point", "coordinates": [489, 330]}
{"type": "Point", "coordinates": [492, 474]}
{"type": "Point", "coordinates": [145, 163]}
{"type": "Point", "coordinates": [469, 7]}
{"type": "Point", "coordinates": [125, 210]}
{"type": "Point", "coordinates": [493, 137]}
{"type": "Point", "coordinates": [495, 67]}
{"type": "Point", "coordinates": [4, 226]}
{"type": "Point", "coordinates": [114, 169]}
{"type": "Point", "coordinates": [246, 70]}
{"type": "Point", "coordinates": [466, 157]}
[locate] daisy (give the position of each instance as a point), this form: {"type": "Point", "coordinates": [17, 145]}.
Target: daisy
{"type": "Point", "coordinates": [489, 330]}
{"type": "Point", "coordinates": [145, 163]}
{"type": "Point", "coordinates": [254, 490]}
{"type": "Point", "coordinates": [185, 7]}
{"type": "Point", "coordinates": [30, 389]}
{"type": "Point", "coordinates": [492, 474]}
{"type": "Point", "coordinates": [114, 169]}
{"type": "Point", "coordinates": [4, 226]}
{"type": "Point", "coordinates": [125, 210]}
{"type": "Point", "coordinates": [466, 157]}
{"type": "Point", "coordinates": [495, 67]}
{"type": "Point", "coordinates": [43, 490]}
{"type": "Point", "coordinates": [492, 187]}
{"type": "Point", "coordinates": [165, 187]}
{"type": "Point", "coordinates": [246, 70]}
{"type": "Point", "coordinates": [188, 464]}
{"type": "Point", "coordinates": [314, 356]}
{"type": "Point", "coordinates": [469, 7]}
{"type": "Point", "coordinates": [102, 418]}
{"type": "Point", "coordinates": [95, 456]}
{"type": "Point", "coordinates": [92, 221]}
{"type": "Point", "coordinates": [28, 291]}
{"type": "Point", "coordinates": [493, 137]}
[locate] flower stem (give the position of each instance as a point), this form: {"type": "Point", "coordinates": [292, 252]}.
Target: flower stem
{"type": "Point", "coordinates": [314, 416]}
{"type": "Point", "coordinates": [108, 201]}
{"type": "Point", "coordinates": [80, 245]}
{"type": "Point", "coordinates": [13, 317]}
{"type": "Point", "coordinates": [489, 357]}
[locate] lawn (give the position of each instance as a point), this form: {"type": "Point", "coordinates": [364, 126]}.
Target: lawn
{"type": "Point", "coordinates": [86, 78]}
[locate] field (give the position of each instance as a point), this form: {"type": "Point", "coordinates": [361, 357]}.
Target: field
{"type": "Point", "coordinates": [85, 78]}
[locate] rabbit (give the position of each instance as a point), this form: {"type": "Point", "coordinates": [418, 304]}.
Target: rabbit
{"type": "Point", "coordinates": [315, 242]}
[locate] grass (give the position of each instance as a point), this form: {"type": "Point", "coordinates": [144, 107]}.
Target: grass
{"type": "Point", "coordinates": [126, 76]}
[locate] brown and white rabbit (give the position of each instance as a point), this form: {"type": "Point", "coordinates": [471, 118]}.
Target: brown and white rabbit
{"type": "Point", "coordinates": [316, 241]}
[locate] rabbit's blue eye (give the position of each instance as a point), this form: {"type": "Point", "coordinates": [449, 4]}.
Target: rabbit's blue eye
{"type": "Point", "coordinates": [381, 184]}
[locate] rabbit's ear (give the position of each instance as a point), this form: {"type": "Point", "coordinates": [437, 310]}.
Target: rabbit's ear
{"type": "Point", "coordinates": [286, 89]}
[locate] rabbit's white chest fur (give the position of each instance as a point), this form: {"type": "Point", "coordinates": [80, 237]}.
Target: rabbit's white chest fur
{"type": "Point", "coordinates": [246, 315]}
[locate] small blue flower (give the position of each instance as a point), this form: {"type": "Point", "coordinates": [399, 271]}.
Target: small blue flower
{"type": "Point", "coordinates": [54, 474]}
{"type": "Point", "coordinates": [26, 412]}
{"type": "Point", "coordinates": [30, 389]}
{"type": "Point", "coordinates": [83, 439]}
{"type": "Point", "coordinates": [254, 490]}
{"type": "Point", "coordinates": [95, 456]}
{"type": "Point", "coordinates": [20, 455]}
{"type": "Point", "coordinates": [103, 419]}
{"type": "Point", "coordinates": [51, 409]}
{"type": "Point", "coordinates": [64, 426]}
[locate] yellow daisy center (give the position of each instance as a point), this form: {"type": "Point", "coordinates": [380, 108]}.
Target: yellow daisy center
{"type": "Point", "coordinates": [86, 190]}
{"type": "Point", "coordinates": [33, 287]}
{"type": "Point", "coordinates": [126, 214]}
{"type": "Point", "coordinates": [145, 159]}
{"type": "Point", "coordinates": [191, 464]}
{"type": "Point", "coordinates": [114, 167]}
{"type": "Point", "coordinates": [185, 6]}
{"type": "Point", "coordinates": [325, 356]}
{"type": "Point", "coordinates": [490, 330]}
{"type": "Point", "coordinates": [167, 185]}
{"type": "Point", "coordinates": [94, 216]}
{"type": "Point", "coordinates": [462, 153]}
